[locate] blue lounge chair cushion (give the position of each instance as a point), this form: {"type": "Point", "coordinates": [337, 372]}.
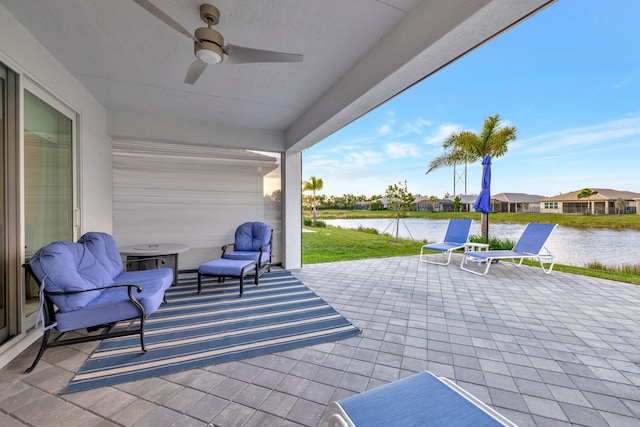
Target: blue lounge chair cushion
{"type": "Point", "coordinates": [147, 277]}
{"type": "Point", "coordinates": [89, 264]}
{"type": "Point", "coordinates": [250, 236]}
{"type": "Point", "coordinates": [113, 305]}
{"type": "Point", "coordinates": [67, 266]}
{"type": "Point", "coordinates": [252, 243]}
{"type": "Point", "coordinates": [456, 237]}
{"type": "Point", "coordinates": [224, 267]}
{"type": "Point", "coordinates": [247, 256]}
{"type": "Point", "coordinates": [416, 401]}
{"type": "Point", "coordinates": [530, 245]}
{"type": "Point", "coordinates": [104, 248]}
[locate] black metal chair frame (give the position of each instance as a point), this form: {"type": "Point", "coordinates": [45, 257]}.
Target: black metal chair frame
{"type": "Point", "coordinates": [49, 311]}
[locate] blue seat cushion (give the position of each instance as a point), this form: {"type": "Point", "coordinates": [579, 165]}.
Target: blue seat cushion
{"type": "Point", "coordinates": [247, 255]}
{"type": "Point", "coordinates": [113, 305]}
{"type": "Point", "coordinates": [146, 277]}
{"type": "Point", "coordinates": [67, 266]}
{"type": "Point", "coordinates": [225, 267]}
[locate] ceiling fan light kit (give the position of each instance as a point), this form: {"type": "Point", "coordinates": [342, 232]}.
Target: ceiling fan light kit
{"type": "Point", "coordinates": [209, 45]}
{"type": "Point", "coordinates": [209, 49]}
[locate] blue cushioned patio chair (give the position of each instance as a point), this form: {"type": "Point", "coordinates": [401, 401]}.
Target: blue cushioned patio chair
{"type": "Point", "coordinates": [83, 286]}
{"type": "Point", "coordinates": [456, 237]}
{"type": "Point", "coordinates": [253, 242]}
{"type": "Point", "coordinates": [416, 401]}
{"type": "Point", "coordinates": [529, 245]}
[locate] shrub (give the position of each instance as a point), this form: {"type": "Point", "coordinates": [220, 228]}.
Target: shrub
{"type": "Point", "coordinates": [625, 268]}
{"type": "Point", "coordinates": [494, 243]}
{"type": "Point", "coordinates": [369, 230]}
{"type": "Point", "coordinates": [309, 223]}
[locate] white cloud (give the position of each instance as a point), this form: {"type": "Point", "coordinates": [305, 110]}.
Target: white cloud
{"type": "Point", "coordinates": [398, 150]}
{"type": "Point", "coordinates": [414, 127]}
{"type": "Point", "coordinates": [385, 129]}
{"type": "Point", "coordinates": [441, 133]}
{"type": "Point", "coordinates": [364, 158]}
{"type": "Point", "coordinates": [607, 133]}
{"type": "Point", "coordinates": [625, 82]}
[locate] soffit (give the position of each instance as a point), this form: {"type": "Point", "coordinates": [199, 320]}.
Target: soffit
{"type": "Point", "coordinates": [357, 53]}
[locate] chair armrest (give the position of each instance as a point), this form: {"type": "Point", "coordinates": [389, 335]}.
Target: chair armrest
{"type": "Point", "coordinates": [119, 285]}
{"type": "Point", "coordinates": [225, 247]}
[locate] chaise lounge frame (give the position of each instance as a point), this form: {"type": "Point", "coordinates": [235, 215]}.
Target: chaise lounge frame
{"type": "Point", "coordinates": [456, 237]}
{"type": "Point", "coordinates": [530, 245]}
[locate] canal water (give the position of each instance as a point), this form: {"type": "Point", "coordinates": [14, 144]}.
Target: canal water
{"type": "Point", "coordinates": [570, 246]}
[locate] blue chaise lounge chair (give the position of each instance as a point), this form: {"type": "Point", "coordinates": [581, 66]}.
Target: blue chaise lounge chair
{"type": "Point", "coordinates": [529, 245]}
{"type": "Point", "coordinates": [456, 237]}
{"type": "Point", "coordinates": [416, 401]}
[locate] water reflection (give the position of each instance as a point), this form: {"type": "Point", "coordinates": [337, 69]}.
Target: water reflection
{"type": "Point", "coordinates": [571, 246]}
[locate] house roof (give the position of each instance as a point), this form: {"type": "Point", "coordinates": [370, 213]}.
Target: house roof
{"type": "Point", "coordinates": [602, 194]}
{"type": "Point", "coordinates": [357, 54]}
{"type": "Point", "coordinates": [517, 197]}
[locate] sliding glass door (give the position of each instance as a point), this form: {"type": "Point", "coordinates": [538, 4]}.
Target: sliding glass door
{"type": "Point", "coordinates": [49, 201]}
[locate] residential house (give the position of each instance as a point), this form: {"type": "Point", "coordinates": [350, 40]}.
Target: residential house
{"type": "Point", "coordinates": [602, 202]}
{"type": "Point", "coordinates": [438, 205]}
{"type": "Point", "coordinates": [516, 202]}
{"type": "Point", "coordinates": [467, 201]}
{"type": "Point", "coordinates": [101, 133]}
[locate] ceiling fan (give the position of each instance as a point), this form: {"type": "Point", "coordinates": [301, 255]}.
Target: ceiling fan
{"type": "Point", "coordinates": [209, 45]}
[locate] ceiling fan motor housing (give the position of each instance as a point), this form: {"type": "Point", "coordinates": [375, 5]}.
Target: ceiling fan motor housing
{"type": "Point", "coordinates": [210, 47]}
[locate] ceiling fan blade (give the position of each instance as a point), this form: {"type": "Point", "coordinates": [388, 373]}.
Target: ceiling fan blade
{"type": "Point", "coordinates": [244, 55]}
{"type": "Point", "coordinates": [153, 9]}
{"type": "Point", "coordinates": [194, 71]}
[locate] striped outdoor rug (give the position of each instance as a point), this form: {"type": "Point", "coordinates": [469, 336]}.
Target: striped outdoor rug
{"type": "Point", "coordinates": [192, 331]}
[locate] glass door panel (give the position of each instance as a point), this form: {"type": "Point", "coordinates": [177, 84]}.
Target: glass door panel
{"type": "Point", "coordinates": [48, 180]}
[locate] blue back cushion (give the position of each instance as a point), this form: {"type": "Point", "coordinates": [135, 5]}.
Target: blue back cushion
{"type": "Point", "coordinates": [67, 266]}
{"type": "Point", "coordinates": [534, 237]}
{"type": "Point", "coordinates": [104, 248]}
{"type": "Point", "coordinates": [251, 235]}
{"type": "Point", "coordinates": [458, 231]}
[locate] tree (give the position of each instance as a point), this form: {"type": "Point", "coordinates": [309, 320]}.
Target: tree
{"type": "Point", "coordinates": [457, 203]}
{"type": "Point", "coordinates": [401, 201]}
{"type": "Point", "coordinates": [468, 147]}
{"type": "Point", "coordinates": [314, 185]}
{"type": "Point", "coordinates": [586, 193]}
{"type": "Point", "coordinates": [621, 205]}
{"type": "Point", "coordinates": [433, 200]}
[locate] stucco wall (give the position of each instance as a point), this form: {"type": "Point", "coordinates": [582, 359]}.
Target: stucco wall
{"type": "Point", "coordinates": [24, 54]}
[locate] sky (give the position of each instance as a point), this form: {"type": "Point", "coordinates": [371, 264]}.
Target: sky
{"type": "Point", "coordinates": [567, 78]}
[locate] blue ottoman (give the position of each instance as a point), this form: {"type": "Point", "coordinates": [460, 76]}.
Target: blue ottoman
{"type": "Point", "coordinates": [222, 268]}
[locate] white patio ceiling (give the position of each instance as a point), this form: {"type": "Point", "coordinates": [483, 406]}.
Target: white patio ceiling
{"type": "Point", "coordinates": [357, 54]}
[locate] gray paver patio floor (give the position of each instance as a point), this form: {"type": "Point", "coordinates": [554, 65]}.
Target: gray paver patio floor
{"type": "Point", "coordinates": [555, 349]}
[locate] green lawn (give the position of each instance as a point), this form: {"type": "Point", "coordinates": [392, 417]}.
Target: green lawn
{"type": "Point", "coordinates": [332, 244]}
{"type": "Point", "coordinates": [337, 244]}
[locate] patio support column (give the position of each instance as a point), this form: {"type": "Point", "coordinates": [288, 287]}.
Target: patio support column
{"type": "Point", "coordinates": [291, 210]}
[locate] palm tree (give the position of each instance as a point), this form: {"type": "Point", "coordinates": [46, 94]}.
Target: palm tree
{"type": "Point", "coordinates": [314, 185]}
{"type": "Point", "coordinates": [433, 200]}
{"type": "Point", "coordinates": [586, 193]}
{"type": "Point", "coordinates": [468, 147]}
